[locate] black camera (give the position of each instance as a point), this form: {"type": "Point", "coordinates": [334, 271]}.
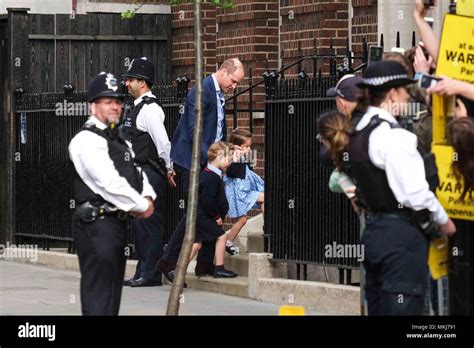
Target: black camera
{"type": "Point", "coordinates": [375, 54]}
{"type": "Point", "coordinates": [427, 81]}
{"type": "Point", "coordinates": [428, 3]}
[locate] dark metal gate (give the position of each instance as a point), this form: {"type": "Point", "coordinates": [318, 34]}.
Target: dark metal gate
{"type": "Point", "coordinates": [302, 216]}
{"type": "Point", "coordinates": [3, 131]}
{"type": "Point", "coordinates": [48, 50]}
{"type": "Point", "coordinates": [45, 124]}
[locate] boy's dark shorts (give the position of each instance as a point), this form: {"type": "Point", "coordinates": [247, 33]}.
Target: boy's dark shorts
{"type": "Point", "coordinates": [207, 229]}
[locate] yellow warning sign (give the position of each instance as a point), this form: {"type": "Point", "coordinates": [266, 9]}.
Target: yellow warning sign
{"type": "Point", "coordinates": [455, 60]}
{"type": "Point", "coordinates": [456, 50]}
{"type": "Point", "coordinates": [438, 258]}
{"type": "Point", "coordinates": [449, 190]}
{"type": "Point", "coordinates": [465, 7]}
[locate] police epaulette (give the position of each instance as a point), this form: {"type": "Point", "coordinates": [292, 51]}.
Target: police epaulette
{"type": "Point", "coordinates": [150, 100]}
{"type": "Point", "coordinates": [88, 126]}
{"type": "Point", "coordinates": [93, 128]}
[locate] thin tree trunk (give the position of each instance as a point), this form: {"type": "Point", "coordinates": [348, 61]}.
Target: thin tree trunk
{"type": "Point", "coordinates": [182, 265]}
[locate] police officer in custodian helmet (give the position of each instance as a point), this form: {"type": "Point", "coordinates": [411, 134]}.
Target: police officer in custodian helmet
{"type": "Point", "coordinates": [144, 127]}
{"type": "Point", "coordinates": [108, 187]}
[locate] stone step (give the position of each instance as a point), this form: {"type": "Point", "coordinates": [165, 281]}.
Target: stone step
{"type": "Point", "coordinates": [237, 263]}
{"type": "Point", "coordinates": [255, 242]}
{"type": "Point", "coordinates": [227, 286]}
{"type": "Point", "coordinates": [254, 225]}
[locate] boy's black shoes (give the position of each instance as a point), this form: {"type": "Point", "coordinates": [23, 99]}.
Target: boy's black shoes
{"type": "Point", "coordinates": [223, 273]}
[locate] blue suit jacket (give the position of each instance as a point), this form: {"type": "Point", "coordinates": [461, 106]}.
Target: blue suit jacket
{"type": "Point", "coordinates": [182, 143]}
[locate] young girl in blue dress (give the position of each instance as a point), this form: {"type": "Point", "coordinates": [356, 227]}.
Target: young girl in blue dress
{"type": "Point", "coordinates": [244, 189]}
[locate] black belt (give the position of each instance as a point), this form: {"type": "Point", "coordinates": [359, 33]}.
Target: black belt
{"type": "Point", "coordinates": [396, 214]}
{"type": "Point", "coordinates": [90, 212]}
{"type": "Point", "coordinates": [420, 218]}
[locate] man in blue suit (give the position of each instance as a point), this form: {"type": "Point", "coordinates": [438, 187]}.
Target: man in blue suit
{"type": "Point", "coordinates": [225, 80]}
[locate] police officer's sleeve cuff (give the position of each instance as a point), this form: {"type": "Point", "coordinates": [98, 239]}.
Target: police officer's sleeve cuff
{"type": "Point", "coordinates": [441, 218]}
{"type": "Point", "coordinates": [142, 206]}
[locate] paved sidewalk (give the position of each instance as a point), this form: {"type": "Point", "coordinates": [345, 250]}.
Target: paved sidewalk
{"type": "Point", "coordinates": [36, 290]}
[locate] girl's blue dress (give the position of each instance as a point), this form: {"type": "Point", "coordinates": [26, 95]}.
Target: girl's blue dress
{"type": "Point", "coordinates": [242, 194]}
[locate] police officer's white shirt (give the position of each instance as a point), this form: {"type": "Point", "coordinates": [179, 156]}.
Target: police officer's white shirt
{"type": "Point", "coordinates": [151, 120]}
{"type": "Point", "coordinates": [90, 154]}
{"type": "Point", "coordinates": [395, 151]}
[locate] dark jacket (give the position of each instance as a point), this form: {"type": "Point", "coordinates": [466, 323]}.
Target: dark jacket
{"type": "Point", "coordinates": [212, 199]}
{"type": "Point", "coordinates": [182, 143]}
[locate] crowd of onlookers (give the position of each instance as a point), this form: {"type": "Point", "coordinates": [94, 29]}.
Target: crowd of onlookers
{"type": "Point", "coordinates": [380, 142]}
{"type": "Point", "coordinates": [460, 130]}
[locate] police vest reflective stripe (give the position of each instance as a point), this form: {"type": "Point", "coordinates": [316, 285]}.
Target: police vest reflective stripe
{"type": "Point", "coordinates": [126, 168]}
{"type": "Point", "coordinates": [142, 144]}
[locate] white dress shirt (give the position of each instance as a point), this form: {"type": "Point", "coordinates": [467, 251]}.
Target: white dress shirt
{"type": "Point", "coordinates": [395, 151]}
{"type": "Point", "coordinates": [151, 120]}
{"type": "Point", "coordinates": [90, 154]}
{"type": "Point", "coordinates": [215, 169]}
{"type": "Point", "coordinates": [220, 100]}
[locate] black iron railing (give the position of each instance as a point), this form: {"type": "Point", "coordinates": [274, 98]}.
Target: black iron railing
{"type": "Point", "coordinates": [45, 124]}
{"type": "Point", "coordinates": [302, 217]}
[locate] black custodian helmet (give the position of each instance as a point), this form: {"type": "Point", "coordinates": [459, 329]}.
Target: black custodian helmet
{"type": "Point", "coordinates": [104, 85]}
{"type": "Point", "coordinates": [141, 68]}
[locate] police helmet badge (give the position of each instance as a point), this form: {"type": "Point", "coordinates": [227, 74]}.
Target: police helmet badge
{"type": "Point", "coordinates": [111, 82]}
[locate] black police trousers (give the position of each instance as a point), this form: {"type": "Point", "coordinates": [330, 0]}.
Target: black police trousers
{"type": "Point", "coordinates": [396, 265]}
{"type": "Point", "coordinates": [171, 254]}
{"type": "Point", "coordinates": [100, 248]}
{"type": "Point", "coordinates": [148, 233]}
{"type": "Point", "coordinates": [461, 275]}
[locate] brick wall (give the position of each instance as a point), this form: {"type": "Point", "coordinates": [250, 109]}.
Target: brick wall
{"type": "Point", "coordinates": [251, 31]}
{"type": "Point", "coordinates": [364, 24]}
{"type": "Point", "coordinates": [306, 20]}
{"type": "Point", "coordinates": [183, 56]}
